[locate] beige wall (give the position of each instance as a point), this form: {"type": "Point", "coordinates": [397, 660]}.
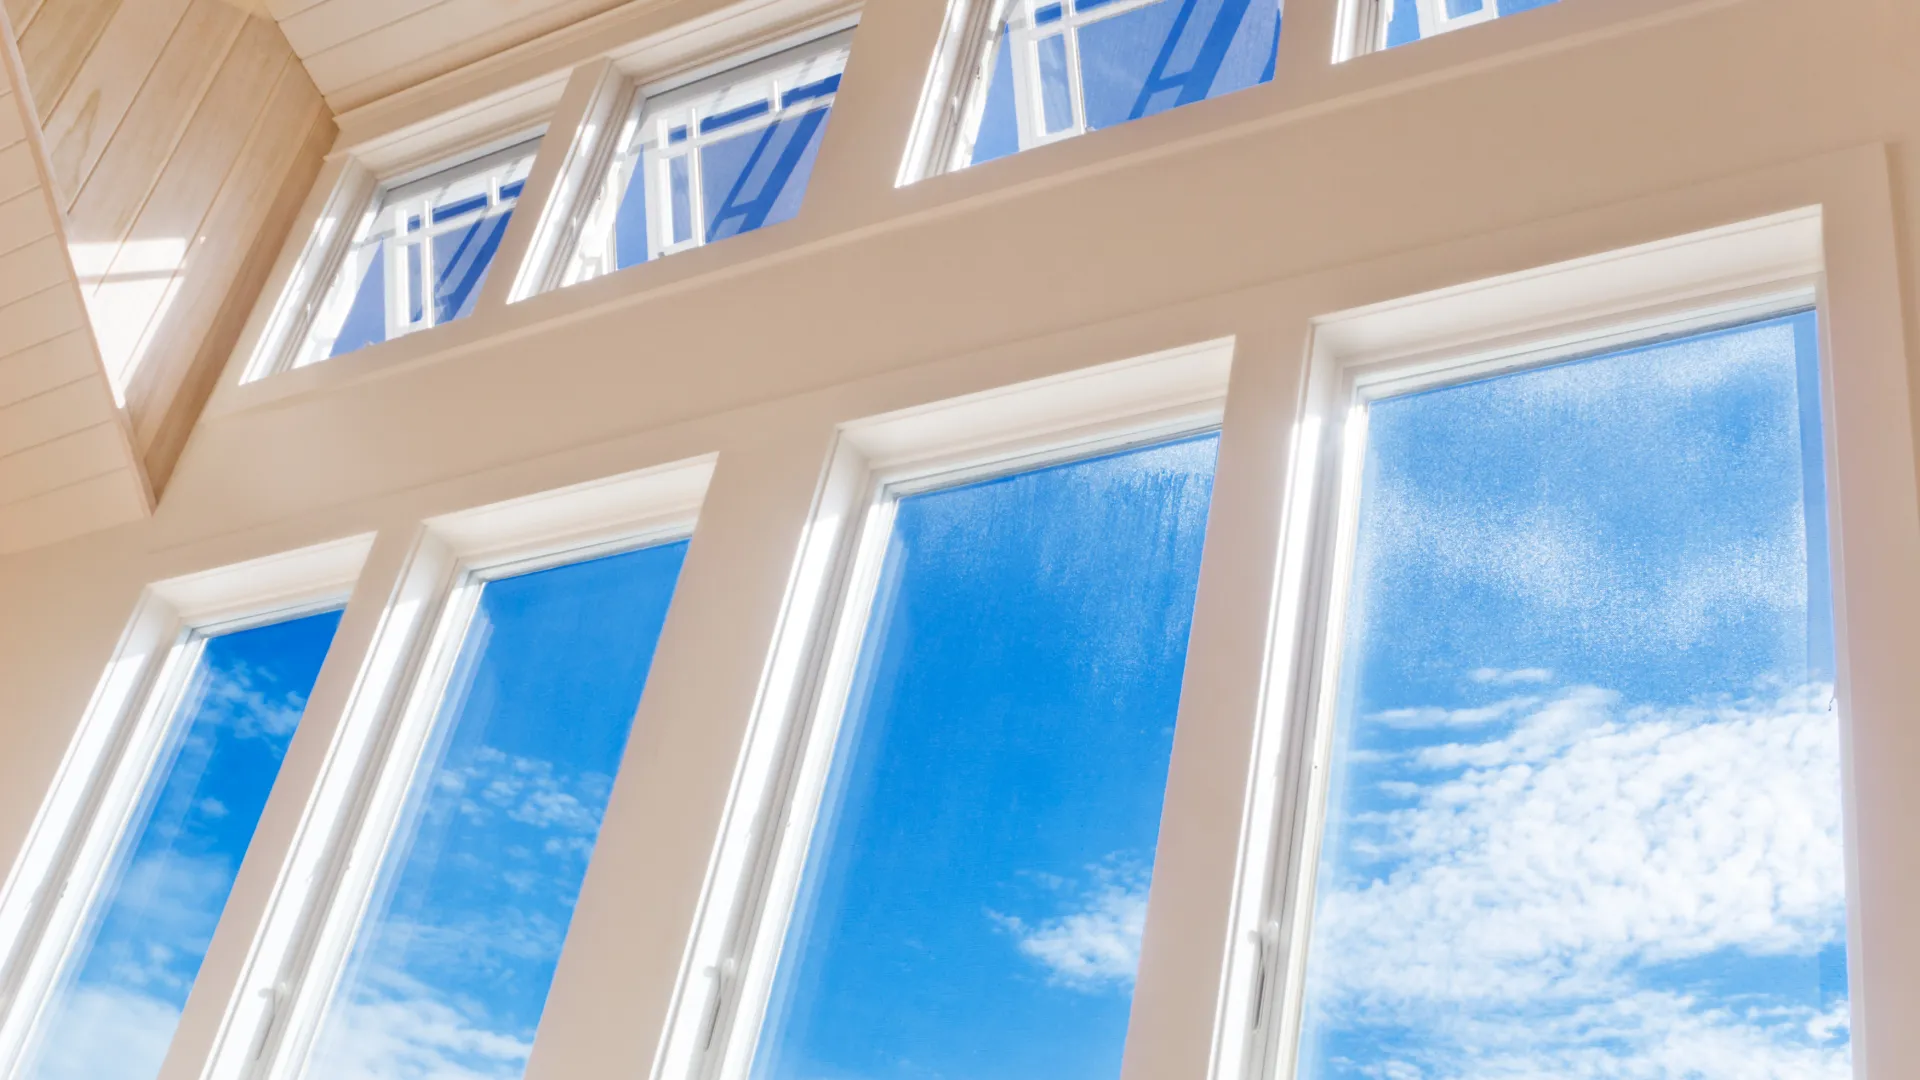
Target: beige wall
{"type": "Point", "coordinates": [182, 135]}
{"type": "Point", "coordinates": [1585, 127]}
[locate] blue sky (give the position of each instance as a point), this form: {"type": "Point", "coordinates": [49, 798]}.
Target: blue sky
{"type": "Point", "coordinates": [115, 1016]}
{"type": "Point", "coordinates": [1210, 47]}
{"type": "Point", "coordinates": [1585, 818]}
{"type": "Point", "coordinates": [1403, 25]}
{"type": "Point", "coordinates": [977, 883]}
{"type": "Point", "coordinates": [453, 964]}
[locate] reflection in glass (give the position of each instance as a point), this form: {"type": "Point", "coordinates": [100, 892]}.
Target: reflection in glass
{"type": "Point", "coordinates": [1411, 20]}
{"type": "Point", "coordinates": [114, 1013]}
{"type": "Point", "coordinates": [977, 880]}
{"type": "Point", "coordinates": [453, 961]}
{"type": "Point", "coordinates": [1584, 818]}
{"type": "Point", "coordinates": [1127, 59]}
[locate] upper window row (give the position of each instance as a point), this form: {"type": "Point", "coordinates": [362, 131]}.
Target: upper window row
{"type": "Point", "coordinates": [726, 154]}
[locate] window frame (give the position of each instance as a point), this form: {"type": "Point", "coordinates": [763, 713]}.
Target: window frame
{"type": "Point", "coordinates": [715, 1020]}
{"type": "Point", "coordinates": [307, 935]}
{"type": "Point", "coordinates": [1737, 275]}
{"type": "Point", "coordinates": [353, 205]}
{"type": "Point", "coordinates": [80, 834]}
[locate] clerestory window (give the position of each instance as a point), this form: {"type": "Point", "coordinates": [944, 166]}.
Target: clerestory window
{"type": "Point", "coordinates": [1387, 23]}
{"type": "Point", "coordinates": [1037, 71]}
{"type": "Point", "coordinates": [422, 252]}
{"type": "Point", "coordinates": [714, 159]}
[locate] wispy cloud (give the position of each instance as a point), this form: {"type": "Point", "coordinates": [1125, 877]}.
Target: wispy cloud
{"type": "Point", "coordinates": [1432, 717]}
{"type": "Point", "coordinates": [1522, 906]}
{"type": "Point", "coordinates": [1488, 676]}
{"type": "Point", "coordinates": [1096, 944]}
{"type": "Point", "coordinates": [103, 1033]}
{"type": "Point", "coordinates": [407, 1031]}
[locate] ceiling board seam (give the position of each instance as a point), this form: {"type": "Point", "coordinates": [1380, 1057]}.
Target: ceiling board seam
{"type": "Point", "coordinates": [61, 95]}
{"type": "Point", "coordinates": [80, 183]}
{"type": "Point", "coordinates": [58, 488]}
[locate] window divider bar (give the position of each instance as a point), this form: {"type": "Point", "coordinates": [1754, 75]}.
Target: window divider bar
{"type": "Point", "coordinates": [558, 190]}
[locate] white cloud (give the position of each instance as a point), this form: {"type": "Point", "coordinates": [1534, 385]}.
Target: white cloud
{"type": "Point", "coordinates": [105, 1033]}
{"type": "Point", "coordinates": [405, 1031]}
{"type": "Point", "coordinates": [255, 710]}
{"type": "Point", "coordinates": [1498, 677]}
{"type": "Point", "coordinates": [1095, 946]}
{"type": "Point", "coordinates": [1431, 717]}
{"type": "Point", "coordinates": [529, 790]}
{"type": "Point", "coordinates": [1518, 904]}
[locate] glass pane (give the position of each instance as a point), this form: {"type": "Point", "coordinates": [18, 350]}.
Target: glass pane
{"type": "Point", "coordinates": [452, 965]}
{"type": "Point", "coordinates": [1056, 93]}
{"type": "Point", "coordinates": [366, 319]}
{"type": "Point", "coordinates": [1585, 814]}
{"type": "Point", "coordinates": [630, 222]}
{"type": "Point", "coordinates": [1405, 22]}
{"type": "Point", "coordinates": [113, 1016]}
{"type": "Point", "coordinates": [460, 261]}
{"type": "Point", "coordinates": [680, 192]}
{"type": "Point", "coordinates": [999, 133]}
{"type": "Point", "coordinates": [759, 178]}
{"type": "Point", "coordinates": [1176, 52]}
{"type": "Point", "coordinates": [977, 881]}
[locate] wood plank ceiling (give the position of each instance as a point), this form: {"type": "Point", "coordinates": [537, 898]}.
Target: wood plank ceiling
{"type": "Point", "coordinates": [361, 50]}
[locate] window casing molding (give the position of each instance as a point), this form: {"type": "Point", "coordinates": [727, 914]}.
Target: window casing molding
{"type": "Point", "coordinates": [52, 887]}
{"type": "Point", "coordinates": [719, 1005]}
{"type": "Point", "coordinates": [1718, 278]}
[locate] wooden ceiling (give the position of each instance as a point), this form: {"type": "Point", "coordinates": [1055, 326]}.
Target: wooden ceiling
{"type": "Point", "coordinates": [359, 50]}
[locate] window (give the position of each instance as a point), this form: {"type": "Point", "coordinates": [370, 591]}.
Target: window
{"type": "Point", "coordinates": [723, 156]}
{"type": "Point", "coordinates": [127, 972]}
{"type": "Point", "coordinates": [976, 883]}
{"type": "Point", "coordinates": [420, 257]}
{"type": "Point", "coordinates": [1386, 23]}
{"type": "Point", "coordinates": [1053, 70]}
{"type": "Point", "coordinates": [1584, 816]}
{"type": "Point", "coordinates": [453, 958]}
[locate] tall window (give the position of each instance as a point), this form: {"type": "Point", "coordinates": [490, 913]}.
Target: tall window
{"type": "Point", "coordinates": [1053, 70]}
{"type": "Point", "coordinates": [455, 953]}
{"type": "Point", "coordinates": [1387, 23]}
{"type": "Point", "coordinates": [1584, 816]}
{"type": "Point", "coordinates": [721, 157]}
{"type": "Point", "coordinates": [977, 878]}
{"type": "Point", "coordinates": [126, 976]}
{"type": "Point", "coordinates": [422, 253]}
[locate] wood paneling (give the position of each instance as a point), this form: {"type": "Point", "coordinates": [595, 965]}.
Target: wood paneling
{"type": "Point", "coordinates": [152, 153]}
{"type": "Point", "coordinates": [174, 128]}
{"type": "Point", "coordinates": [360, 50]}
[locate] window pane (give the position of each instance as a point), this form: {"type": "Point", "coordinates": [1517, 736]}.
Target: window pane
{"type": "Point", "coordinates": [113, 1016]}
{"type": "Point", "coordinates": [1134, 60]}
{"type": "Point", "coordinates": [977, 884]}
{"type": "Point", "coordinates": [452, 965]}
{"type": "Point", "coordinates": [1411, 20]}
{"type": "Point", "coordinates": [744, 143]}
{"type": "Point", "coordinates": [1585, 813]}
{"type": "Point", "coordinates": [461, 213]}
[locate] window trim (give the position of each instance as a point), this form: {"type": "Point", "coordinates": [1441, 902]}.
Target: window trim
{"type": "Point", "coordinates": [1692, 284]}
{"type": "Point", "coordinates": [713, 1023]}
{"type": "Point", "coordinates": [111, 762]}
{"type": "Point", "coordinates": [308, 931]}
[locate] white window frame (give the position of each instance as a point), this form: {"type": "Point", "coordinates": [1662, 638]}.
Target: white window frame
{"type": "Point", "coordinates": [311, 925]}
{"type": "Point", "coordinates": [1718, 278]}
{"type": "Point", "coordinates": [1027, 36]}
{"type": "Point", "coordinates": [656, 110]}
{"type": "Point", "coordinates": [714, 1021]}
{"type": "Point", "coordinates": [1364, 23]}
{"type": "Point", "coordinates": [82, 827]}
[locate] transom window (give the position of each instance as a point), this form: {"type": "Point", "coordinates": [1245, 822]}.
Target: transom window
{"type": "Point", "coordinates": [423, 251]}
{"type": "Point", "coordinates": [721, 157]}
{"type": "Point", "coordinates": [1387, 23]}
{"type": "Point", "coordinates": [1059, 68]}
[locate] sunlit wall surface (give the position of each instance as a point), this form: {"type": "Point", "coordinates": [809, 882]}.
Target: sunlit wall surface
{"type": "Point", "coordinates": [978, 877]}
{"type": "Point", "coordinates": [453, 963]}
{"type": "Point", "coordinates": [1062, 69]}
{"type": "Point", "coordinates": [114, 1013]}
{"type": "Point", "coordinates": [1411, 20]}
{"type": "Point", "coordinates": [1585, 819]}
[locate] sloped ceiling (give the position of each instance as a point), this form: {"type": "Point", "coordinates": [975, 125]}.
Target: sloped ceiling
{"type": "Point", "coordinates": [360, 50]}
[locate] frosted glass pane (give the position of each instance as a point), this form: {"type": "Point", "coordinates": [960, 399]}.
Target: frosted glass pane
{"type": "Point", "coordinates": [977, 880]}
{"type": "Point", "coordinates": [1585, 812]}
{"type": "Point", "coordinates": [452, 965]}
{"type": "Point", "coordinates": [114, 1013]}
